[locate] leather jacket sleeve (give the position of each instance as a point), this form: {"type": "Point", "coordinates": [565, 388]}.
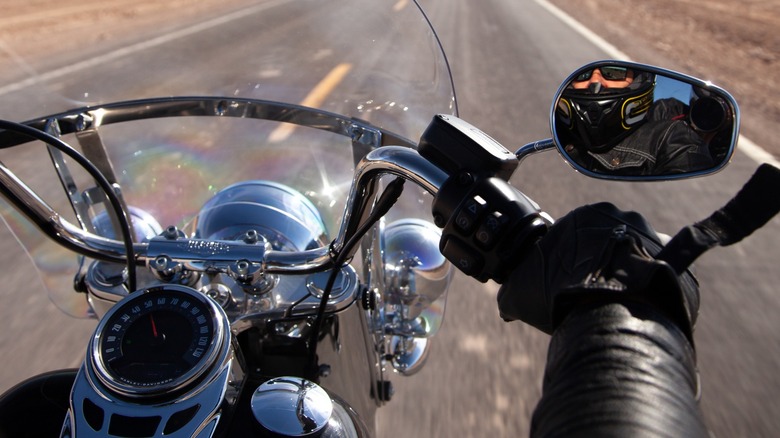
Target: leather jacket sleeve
{"type": "Point", "coordinates": [619, 370]}
{"type": "Point", "coordinates": [681, 150]}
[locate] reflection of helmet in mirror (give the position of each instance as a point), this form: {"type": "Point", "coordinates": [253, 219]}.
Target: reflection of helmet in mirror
{"type": "Point", "coordinates": [600, 117]}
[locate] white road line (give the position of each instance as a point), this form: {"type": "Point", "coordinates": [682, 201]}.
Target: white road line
{"type": "Point", "coordinates": [752, 150]}
{"type": "Point", "coordinates": [125, 51]}
{"type": "Point", "coordinates": [755, 152]}
{"type": "Point", "coordinates": [599, 42]}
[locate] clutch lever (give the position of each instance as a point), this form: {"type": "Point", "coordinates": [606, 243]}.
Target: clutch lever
{"type": "Point", "coordinates": [752, 207]}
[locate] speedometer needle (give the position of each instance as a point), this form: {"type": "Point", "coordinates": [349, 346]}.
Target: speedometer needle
{"type": "Point", "coordinates": [154, 327]}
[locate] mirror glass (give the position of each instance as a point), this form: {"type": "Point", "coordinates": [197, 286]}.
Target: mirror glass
{"type": "Point", "coordinates": [630, 121]}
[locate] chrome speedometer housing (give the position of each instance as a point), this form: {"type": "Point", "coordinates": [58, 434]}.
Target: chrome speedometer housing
{"type": "Point", "coordinates": [287, 219]}
{"type": "Point", "coordinates": [159, 340]}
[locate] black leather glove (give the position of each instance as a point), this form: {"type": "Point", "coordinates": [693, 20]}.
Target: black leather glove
{"type": "Point", "coordinates": [596, 253]}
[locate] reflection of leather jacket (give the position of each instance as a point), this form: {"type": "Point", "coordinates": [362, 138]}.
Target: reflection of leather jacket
{"type": "Point", "coordinates": [657, 147]}
{"type": "Point", "coordinates": [664, 144]}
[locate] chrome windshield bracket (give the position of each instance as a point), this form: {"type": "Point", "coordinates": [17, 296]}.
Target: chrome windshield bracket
{"type": "Point", "coordinates": [80, 205]}
{"type": "Point", "coordinates": [364, 139]}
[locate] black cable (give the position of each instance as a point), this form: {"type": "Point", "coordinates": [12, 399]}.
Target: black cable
{"type": "Point", "coordinates": [386, 200]}
{"type": "Point", "coordinates": [100, 179]}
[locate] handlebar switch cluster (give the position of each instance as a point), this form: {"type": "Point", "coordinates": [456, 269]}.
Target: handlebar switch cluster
{"type": "Point", "coordinates": [487, 225]}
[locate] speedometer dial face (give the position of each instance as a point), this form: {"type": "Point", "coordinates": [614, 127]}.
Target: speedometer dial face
{"type": "Point", "coordinates": [156, 340]}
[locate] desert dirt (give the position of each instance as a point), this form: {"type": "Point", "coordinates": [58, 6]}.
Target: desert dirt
{"type": "Point", "coordinates": [37, 30]}
{"type": "Point", "coordinates": [734, 44]}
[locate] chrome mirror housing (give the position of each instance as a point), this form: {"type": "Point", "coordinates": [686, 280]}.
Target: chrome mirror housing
{"type": "Point", "coordinates": [629, 121]}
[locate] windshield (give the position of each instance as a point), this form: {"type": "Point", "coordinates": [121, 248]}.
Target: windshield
{"type": "Point", "coordinates": [206, 111]}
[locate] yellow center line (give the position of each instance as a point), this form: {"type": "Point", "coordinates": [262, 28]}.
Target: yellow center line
{"type": "Point", "coordinates": [314, 99]}
{"type": "Point", "coordinates": [400, 5]}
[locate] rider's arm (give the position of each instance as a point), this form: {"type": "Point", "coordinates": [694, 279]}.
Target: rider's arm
{"type": "Point", "coordinates": [621, 360]}
{"type": "Point", "coordinates": [619, 370]}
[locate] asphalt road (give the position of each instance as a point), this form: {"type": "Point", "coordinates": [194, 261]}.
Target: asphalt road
{"type": "Point", "coordinates": [483, 377]}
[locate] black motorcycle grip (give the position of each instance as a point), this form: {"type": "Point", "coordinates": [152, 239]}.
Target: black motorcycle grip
{"type": "Point", "coordinates": [619, 370]}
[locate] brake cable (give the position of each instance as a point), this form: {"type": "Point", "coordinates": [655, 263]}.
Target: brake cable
{"type": "Point", "coordinates": [382, 206]}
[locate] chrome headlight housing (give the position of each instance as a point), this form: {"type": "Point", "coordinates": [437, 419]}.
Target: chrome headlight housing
{"type": "Point", "coordinates": [283, 216]}
{"type": "Point", "coordinates": [145, 226]}
{"type": "Point", "coordinates": [416, 274]}
{"type": "Point", "coordinates": [414, 284]}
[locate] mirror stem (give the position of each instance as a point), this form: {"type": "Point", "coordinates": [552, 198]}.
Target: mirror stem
{"type": "Point", "coordinates": [532, 148]}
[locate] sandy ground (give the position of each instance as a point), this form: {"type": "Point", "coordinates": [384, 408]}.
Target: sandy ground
{"type": "Point", "coordinates": [734, 44]}
{"type": "Point", "coordinates": [36, 34]}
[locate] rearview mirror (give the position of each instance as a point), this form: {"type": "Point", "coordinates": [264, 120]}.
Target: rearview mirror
{"type": "Point", "coordinates": [622, 120]}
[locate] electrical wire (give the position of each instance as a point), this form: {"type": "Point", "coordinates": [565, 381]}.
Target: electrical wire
{"type": "Point", "coordinates": [382, 206]}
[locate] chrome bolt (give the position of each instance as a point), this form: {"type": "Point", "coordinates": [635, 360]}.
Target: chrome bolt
{"type": "Point", "coordinates": [251, 236]}
{"type": "Point", "coordinates": [171, 233]}
{"type": "Point", "coordinates": [242, 267]}
{"type": "Point", "coordinates": [161, 263]}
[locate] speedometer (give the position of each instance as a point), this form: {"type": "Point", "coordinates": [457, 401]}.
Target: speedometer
{"type": "Point", "coordinates": [157, 340]}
